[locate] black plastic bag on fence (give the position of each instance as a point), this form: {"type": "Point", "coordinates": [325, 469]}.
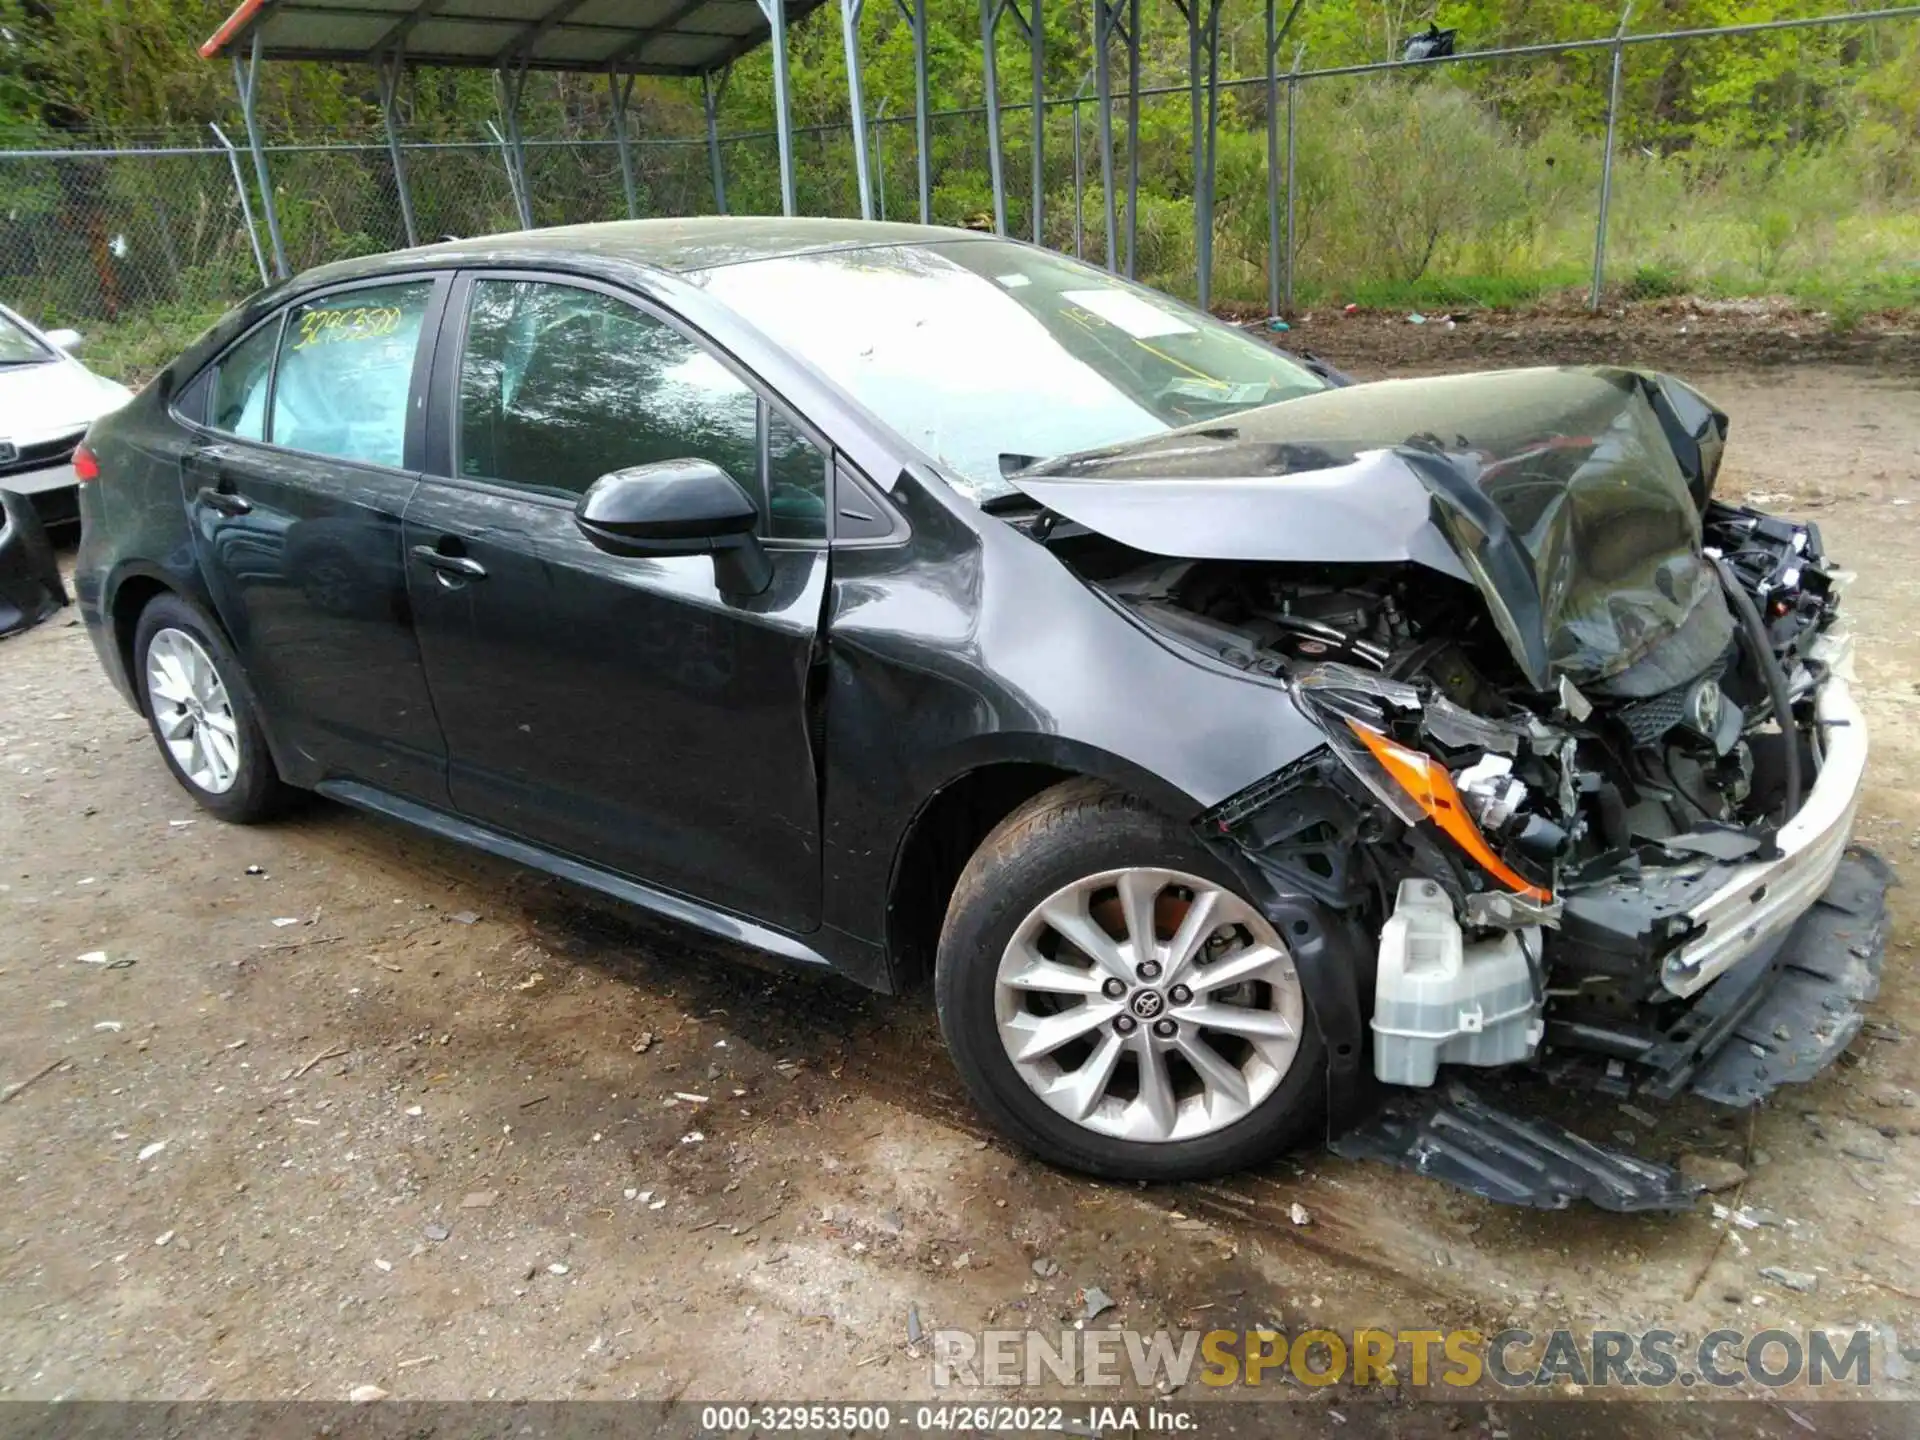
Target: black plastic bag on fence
{"type": "Point", "coordinates": [1430, 46]}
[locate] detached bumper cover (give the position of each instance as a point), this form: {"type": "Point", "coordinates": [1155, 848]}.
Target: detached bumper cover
{"type": "Point", "coordinates": [1760, 901]}
{"type": "Point", "coordinates": [1452, 1134]}
{"type": "Point", "coordinates": [30, 585]}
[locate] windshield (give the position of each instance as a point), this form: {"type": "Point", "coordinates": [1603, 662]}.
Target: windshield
{"type": "Point", "coordinates": [974, 349]}
{"type": "Point", "coordinates": [17, 347]}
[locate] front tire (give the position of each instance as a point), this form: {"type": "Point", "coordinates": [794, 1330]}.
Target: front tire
{"type": "Point", "coordinates": [1115, 1004]}
{"type": "Point", "coordinates": [200, 710]}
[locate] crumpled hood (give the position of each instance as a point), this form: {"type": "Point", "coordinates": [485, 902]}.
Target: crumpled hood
{"type": "Point", "coordinates": [56, 397]}
{"type": "Point", "coordinates": [1571, 497]}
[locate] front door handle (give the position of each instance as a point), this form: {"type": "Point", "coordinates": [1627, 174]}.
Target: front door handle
{"type": "Point", "coordinates": [225, 501]}
{"type": "Point", "coordinates": [463, 566]}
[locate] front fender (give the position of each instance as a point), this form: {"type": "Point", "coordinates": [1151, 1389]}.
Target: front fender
{"type": "Point", "coordinates": [976, 646]}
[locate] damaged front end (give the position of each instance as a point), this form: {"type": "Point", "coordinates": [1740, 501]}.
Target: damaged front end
{"type": "Point", "coordinates": [1591, 756]}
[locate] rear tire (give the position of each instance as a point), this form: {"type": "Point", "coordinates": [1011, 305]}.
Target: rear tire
{"type": "Point", "coordinates": [202, 715]}
{"type": "Point", "coordinates": [1195, 1060]}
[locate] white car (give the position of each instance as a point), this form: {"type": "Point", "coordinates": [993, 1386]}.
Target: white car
{"type": "Point", "coordinates": [47, 400]}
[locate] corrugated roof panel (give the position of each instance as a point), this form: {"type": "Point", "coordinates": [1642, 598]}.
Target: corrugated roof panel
{"type": "Point", "coordinates": [588, 49]}
{"type": "Point", "coordinates": [308, 29]}
{"type": "Point", "coordinates": [520, 12]}
{"type": "Point", "coordinates": [391, 9]}
{"type": "Point", "coordinates": [661, 35]}
{"type": "Point", "coordinates": [727, 17]}
{"type": "Point", "coordinates": [628, 14]}
{"type": "Point", "coordinates": [684, 51]}
{"type": "Point", "coordinates": [481, 39]}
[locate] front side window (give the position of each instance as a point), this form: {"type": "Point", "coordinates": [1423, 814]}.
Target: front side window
{"type": "Point", "coordinates": [561, 385]}
{"type": "Point", "coordinates": [346, 368]}
{"type": "Point", "coordinates": [240, 385]}
{"type": "Point", "coordinates": [796, 482]}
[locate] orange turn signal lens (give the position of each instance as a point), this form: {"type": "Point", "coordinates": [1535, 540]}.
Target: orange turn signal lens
{"type": "Point", "coordinates": [1431, 787]}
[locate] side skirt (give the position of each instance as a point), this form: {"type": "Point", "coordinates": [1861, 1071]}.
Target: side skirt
{"type": "Point", "coordinates": [579, 872]}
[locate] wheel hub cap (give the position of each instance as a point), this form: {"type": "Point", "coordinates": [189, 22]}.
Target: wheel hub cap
{"type": "Point", "coordinates": [1148, 1005]}
{"type": "Point", "coordinates": [193, 711]}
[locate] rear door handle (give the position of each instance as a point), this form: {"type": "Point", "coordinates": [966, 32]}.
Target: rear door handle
{"type": "Point", "coordinates": [461, 565]}
{"type": "Point", "coordinates": [224, 501]}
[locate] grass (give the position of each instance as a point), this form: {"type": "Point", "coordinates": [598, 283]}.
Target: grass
{"type": "Point", "coordinates": [132, 348]}
{"type": "Point", "coordinates": [1850, 298]}
{"type": "Point", "coordinates": [1448, 292]}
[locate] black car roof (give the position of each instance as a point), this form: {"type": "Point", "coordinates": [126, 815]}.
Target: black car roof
{"type": "Point", "coordinates": [699, 243]}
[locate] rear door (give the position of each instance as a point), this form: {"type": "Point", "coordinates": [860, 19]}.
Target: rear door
{"type": "Point", "coordinates": [621, 710]}
{"type": "Point", "coordinates": [304, 461]}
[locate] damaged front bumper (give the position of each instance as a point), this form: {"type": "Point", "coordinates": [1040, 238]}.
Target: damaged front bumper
{"type": "Point", "coordinates": [1752, 973]}
{"type": "Point", "coordinates": [1781, 1016]}
{"type": "Point", "coordinates": [1758, 901]}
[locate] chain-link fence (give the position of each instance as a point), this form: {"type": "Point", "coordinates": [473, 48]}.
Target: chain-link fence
{"type": "Point", "coordinates": [1429, 175]}
{"type": "Point", "coordinates": [88, 235]}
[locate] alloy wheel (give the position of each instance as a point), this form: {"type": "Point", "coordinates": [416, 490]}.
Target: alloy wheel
{"type": "Point", "coordinates": [1149, 1005]}
{"type": "Point", "coordinates": [193, 711]}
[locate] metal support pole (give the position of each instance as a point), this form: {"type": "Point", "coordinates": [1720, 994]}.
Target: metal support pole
{"type": "Point", "coordinates": [850, 11]}
{"type": "Point", "coordinates": [246, 205]}
{"type": "Point", "coordinates": [1275, 35]}
{"type": "Point", "coordinates": [1133, 136]}
{"type": "Point", "coordinates": [880, 160]}
{"type": "Point", "coordinates": [1606, 163]}
{"type": "Point", "coordinates": [506, 163]}
{"type": "Point", "coordinates": [1293, 83]}
{"type": "Point", "coordinates": [1037, 67]}
{"type": "Point", "coordinates": [1106, 20]}
{"type": "Point", "coordinates": [1207, 142]}
{"type": "Point", "coordinates": [776, 13]}
{"type": "Point", "coordinates": [246, 77]}
{"type": "Point", "coordinates": [390, 73]}
{"type": "Point", "coordinates": [990, 12]}
{"type": "Point", "coordinates": [916, 19]}
{"type": "Point", "coordinates": [1190, 12]}
{"type": "Point", "coordinates": [619, 94]}
{"type": "Point", "coordinates": [512, 85]}
{"type": "Point", "coordinates": [1079, 180]}
{"type": "Point", "coordinates": [1273, 167]}
{"type": "Point", "coordinates": [710, 102]}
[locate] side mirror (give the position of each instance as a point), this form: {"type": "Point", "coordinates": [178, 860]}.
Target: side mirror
{"type": "Point", "coordinates": [678, 507]}
{"type": "Point", "coordinates": [67, 340]}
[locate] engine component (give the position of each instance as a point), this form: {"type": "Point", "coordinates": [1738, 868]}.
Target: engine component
{"type": "Point", "coordinates": [1438, 999]}
{"type": "Point", "coordinates": [1490, 790]}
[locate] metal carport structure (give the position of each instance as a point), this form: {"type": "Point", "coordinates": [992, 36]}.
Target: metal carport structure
{"type": "Point", "coordinates": [695, 39]}
{"type": "Point", "coordinates": [700, 39]}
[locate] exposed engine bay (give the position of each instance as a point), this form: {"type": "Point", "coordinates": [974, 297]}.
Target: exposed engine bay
{"type": "Point", "coordinates": [1558, 780]}
{"type": "Point", "coordinates": [1590, 754]}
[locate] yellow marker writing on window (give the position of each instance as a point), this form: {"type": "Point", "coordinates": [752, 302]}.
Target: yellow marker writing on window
{"type": "Point", "coordinates": [356, 322]}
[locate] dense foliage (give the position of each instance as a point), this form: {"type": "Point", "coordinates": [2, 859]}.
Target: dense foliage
{"type": "Point", "coordinates": [1768, 162]}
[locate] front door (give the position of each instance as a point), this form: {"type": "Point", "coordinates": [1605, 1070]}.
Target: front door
{"type": "Point", "coordinates": [296, 483]}
{"type": "Point", "coordinates": [623, 711]}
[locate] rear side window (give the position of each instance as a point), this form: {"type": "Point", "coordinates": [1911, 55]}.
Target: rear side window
{"type": "Point", "coordinates": [240, 385]}
{"type": "Point", "coordinates": [560, 385]}
{"type": "Point", "coordinates": [346, 366]}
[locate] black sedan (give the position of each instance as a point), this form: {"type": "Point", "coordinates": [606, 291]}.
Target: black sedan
{"type": "Point", "coordinates": [1236, 748]}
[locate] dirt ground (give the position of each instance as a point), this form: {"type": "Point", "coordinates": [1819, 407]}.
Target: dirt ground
{"type": "Point", "coordinates": [347, 1106]}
